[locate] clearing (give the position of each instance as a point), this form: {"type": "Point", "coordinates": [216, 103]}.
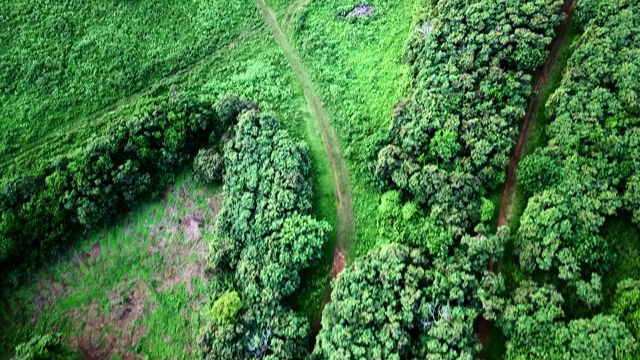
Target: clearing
{"type": "Point", "coordinates": [134, 288]}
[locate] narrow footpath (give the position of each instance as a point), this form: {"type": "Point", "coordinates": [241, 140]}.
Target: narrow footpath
{"type": "Point", "coordinates": [345, 222]}
{"type": "Point", "coordinates": [510, 186]}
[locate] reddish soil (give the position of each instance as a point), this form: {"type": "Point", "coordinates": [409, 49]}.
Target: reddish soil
{"type": "Point", "coordinates": [509, 193]}
{"type": "Point", "coordinates": [106, 335]}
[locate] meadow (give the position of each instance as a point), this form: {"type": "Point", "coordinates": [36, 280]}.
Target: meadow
{"type": "Point", "coordinates": [64, 66]}
{"type": "Point", "coordinates": [136, 287]}
{"type": "Point", "coordinates": [358, 69]}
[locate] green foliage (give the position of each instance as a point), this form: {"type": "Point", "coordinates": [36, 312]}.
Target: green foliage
{"type": "Point", "coordinates": [487, 210]}
{"type": "Point", "coordinates": [406, 224]}
{"type": "Point", "coordinates": [226, 308]}
{"type": "Point", "coordinates": [396, 303]}
{"type": "Point", "coordinates": [44, 347]}
{"type": "Point", "coordinates": [131, 159]}
{"type": "Point", "coordinates": [532, 322]}
{"type": "Point", "coordinates": [626, 305]}
{"type": "Point", "coordinates": [357, 70]}
{"type": "Point", "coordinates": [538, 172]}
{"type": "Point", "coordinates": [208, 166]}
{"type": "Point", "coordinates": [472, 64]}
{"type": "Point", "coordinates": [63, 64]}
{"type": "Point", "coordinates": [264, 238]}
{"type": "Point", "coordinates": [589, 169]}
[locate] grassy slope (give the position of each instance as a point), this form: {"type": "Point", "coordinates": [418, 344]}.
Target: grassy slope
{"type": "Point", "coordinates": [252, 66]}
{"type": "Point", "coordinates": [62, 65]}
{"type": "Point", "coordinates": [358, 72]}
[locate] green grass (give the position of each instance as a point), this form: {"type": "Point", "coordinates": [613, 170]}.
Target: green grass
{"type": "Point", "coordinates": [63, 64]}
{"type": "Point", "coordinates": [146, 264]}
{"type": "Point", "coordinates": [357, 70]}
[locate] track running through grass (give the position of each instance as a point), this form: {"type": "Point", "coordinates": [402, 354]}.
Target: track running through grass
{"type": "Point", "coordinates": [510, 187]}
{"type": "Point", "coordinates": [345, 222]}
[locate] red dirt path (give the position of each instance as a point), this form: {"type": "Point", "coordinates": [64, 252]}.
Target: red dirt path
{"type": "Point", "coordinates": [509, 193]}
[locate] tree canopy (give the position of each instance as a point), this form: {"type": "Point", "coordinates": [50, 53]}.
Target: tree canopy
{"type": "Point", "coordinates": [591, 162]}
{"type": "Point", "coordinates": [451, 140]}
{"type": "Point", "coordinates": [264, 237]}
{"type": "Point", "coordinates": [397, 303]}
{"type": "Point", "coordinates": [533, 322]}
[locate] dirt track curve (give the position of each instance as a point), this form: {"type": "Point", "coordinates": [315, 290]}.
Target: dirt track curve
{"type": "Point", "coordinates": [345, 225]}
{"type": "Point", "coordinates": [509, 192]}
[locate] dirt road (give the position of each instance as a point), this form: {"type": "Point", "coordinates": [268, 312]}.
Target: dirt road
{"type": "Point", "coordinates": [345, 224]}
{"type": "Point", "coordinates": [509, 193]}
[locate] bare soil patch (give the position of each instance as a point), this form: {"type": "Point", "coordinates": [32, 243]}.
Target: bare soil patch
{"type": "Point", "coordinates": [362, 10]}
{"type": "Point", "coordinates": [103, 334]}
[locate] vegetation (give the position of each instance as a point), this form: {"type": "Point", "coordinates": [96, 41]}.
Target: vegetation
{"type": "Point", "coordinates": [94, 126]}
{"type": "Point", "coordinates": [131, 159]}
{"type": "Point", "coordinates": [63, 64]}
{"type": "Point", "coordinates": [45, 347]}
{"type": "Point", "coordinates": [397, 303]}
{"type": "Point", "coordinates": [451, 140]}
{"type": "Point", "coordinates": [590, 161]}
{"type": "Point", "coordinates": [130, 289]}
{"type": "Point", "coordinates": [264, 238]}
{"type": "Point", "coordinates": [356, 65]}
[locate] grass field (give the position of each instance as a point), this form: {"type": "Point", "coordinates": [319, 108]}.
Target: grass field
{"type": "Point", "coordinates": [357, 69]}
{"type": "Point", "coordinates": [134, 288]}
{"type": "Point", "coordinates": [62, 65]}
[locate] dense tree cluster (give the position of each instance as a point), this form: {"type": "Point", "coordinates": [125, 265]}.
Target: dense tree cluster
{"type": "Point", "coordinates": [590, 169]}
{"type": "Point", "coordinates": [532, 320]}
{"type": "Point", "coordinates": [264, 237]}
{"type": "Point", "coordinates": [398, 304]}
{"type": "Point", "coordinates": [131, 159]}
{"type": "Point", "coordinates": [472, 63]}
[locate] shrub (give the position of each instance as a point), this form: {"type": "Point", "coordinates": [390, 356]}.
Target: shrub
{"type": "Point", "coordinates": [208, 166]}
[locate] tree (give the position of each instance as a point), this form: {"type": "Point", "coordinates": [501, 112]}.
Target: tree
{"type": "Point", "coordinates": [208, 166]}
{"type": "Point", "coordinates": [396, 303]}
{"type": "Point", "coordinates": [626, 304]}
{"type": "Point", "coordinates": [532, 320]}
{"type": "Point", "coordinates": [451, 140]}
{"type": "Point", "coordinates": [44, 347]}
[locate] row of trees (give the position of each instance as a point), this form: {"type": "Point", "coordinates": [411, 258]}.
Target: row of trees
{"type": "Point", "coordinates": [40, 213]}
{"type": "Point", "coordinates": [264, 238]}
{"type": "Point", "coordinates": [472, 64]}
{"type": "Point", "coordinates": [590, 169]}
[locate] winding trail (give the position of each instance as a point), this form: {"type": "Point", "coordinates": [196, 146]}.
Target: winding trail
{"type": "Point", "coordinates": [510, 187]}
{"type": "Point", "coordinates": [345, 222]}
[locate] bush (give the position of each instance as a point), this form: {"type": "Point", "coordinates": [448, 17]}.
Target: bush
{"type": "Point", "coordinates": [264, 238]}
{"type": "Point", "coordinates": [208, 166]}
{"type": "Point", "coordinates": [44, 347]}
{"type": "Point", "coordinates": [451, 141]}
{"type": "Point", "coordinates": [226, 308]}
